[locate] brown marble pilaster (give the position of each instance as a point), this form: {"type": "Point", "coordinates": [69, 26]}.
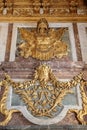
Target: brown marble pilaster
{"type": "Point", "coordinates": [77, 41]}
{"type": "Point", "coordinates": [8, 45]}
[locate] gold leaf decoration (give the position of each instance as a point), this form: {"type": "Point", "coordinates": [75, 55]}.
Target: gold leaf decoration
{"type": "Point", "coordinates": [47, 97]}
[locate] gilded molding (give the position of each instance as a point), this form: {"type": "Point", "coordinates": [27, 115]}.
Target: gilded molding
{"type": "Point", "coordinates": [56, 18]}
{"type": "Point", "coordinates": [67, 10]}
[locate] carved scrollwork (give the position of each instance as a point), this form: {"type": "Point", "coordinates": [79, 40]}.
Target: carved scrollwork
{"type": "Point", "coordinates": [3, 108]}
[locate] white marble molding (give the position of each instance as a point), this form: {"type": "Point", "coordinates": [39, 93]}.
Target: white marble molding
{"type": "Point", "coordinates": [3, 40]}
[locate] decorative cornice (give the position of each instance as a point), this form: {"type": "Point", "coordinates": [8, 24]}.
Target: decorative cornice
{"type": "Point", "coordinates": [25, 11]}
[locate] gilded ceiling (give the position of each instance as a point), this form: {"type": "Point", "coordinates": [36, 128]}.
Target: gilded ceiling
{"type": "Point", "coordinates": [43, 8]}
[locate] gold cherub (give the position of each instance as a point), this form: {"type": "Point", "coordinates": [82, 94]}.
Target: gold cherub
{"type": "Point", "coordinates": [43, 43]}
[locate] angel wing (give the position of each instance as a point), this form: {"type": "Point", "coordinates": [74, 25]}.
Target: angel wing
{"type": "Point", "coordinates": [57, 34]}
{"type": "Point", "coordinates": [26, 35]}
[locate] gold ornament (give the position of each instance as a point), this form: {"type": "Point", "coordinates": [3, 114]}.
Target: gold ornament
{"type": "Point", "coordinates": [43, 43]}
{"type": "Point", "coordinates": [43, 95]}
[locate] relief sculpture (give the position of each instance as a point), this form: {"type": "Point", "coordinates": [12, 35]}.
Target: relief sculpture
{"type": "Point", "coordinates": [43, 96]}
{"type": "Point", "coordinates": [43, 43]}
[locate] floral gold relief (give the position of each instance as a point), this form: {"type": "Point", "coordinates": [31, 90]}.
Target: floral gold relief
{"type": "Point", "coordinates": [43, 95]}
{"type": "Point", "coordinates": [43, 43]}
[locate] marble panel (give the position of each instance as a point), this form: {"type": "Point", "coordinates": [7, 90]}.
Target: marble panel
{"type": "Point", "coordinates": [68, 38]}
{"type": "Point", "coordinates": [82, 30]}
